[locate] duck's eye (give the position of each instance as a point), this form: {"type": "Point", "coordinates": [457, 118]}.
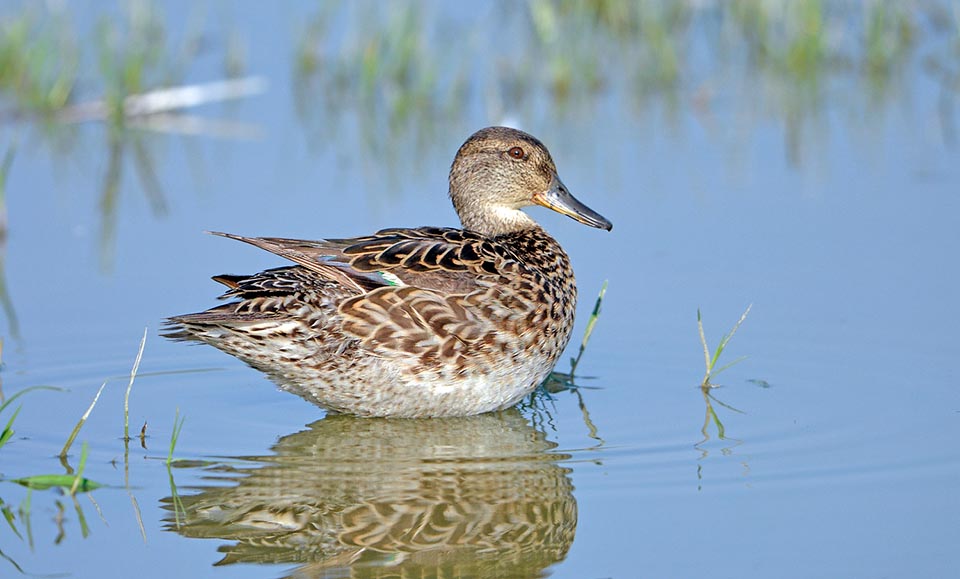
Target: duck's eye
{"type": "Point", "coordinates": [516, 153]}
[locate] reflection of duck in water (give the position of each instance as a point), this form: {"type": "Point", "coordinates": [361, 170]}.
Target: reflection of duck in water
{"type": "Point", "coordinates": [417, 322]}
{"type": "Point", "coordinates": [460, 497]}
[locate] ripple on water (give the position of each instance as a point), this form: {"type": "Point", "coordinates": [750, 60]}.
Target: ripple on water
{"type": "Point", "coordinates": [785, 459]}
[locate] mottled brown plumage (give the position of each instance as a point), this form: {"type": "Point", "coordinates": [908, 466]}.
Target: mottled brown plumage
{"type": "Point", "coordinates": [416, 322]}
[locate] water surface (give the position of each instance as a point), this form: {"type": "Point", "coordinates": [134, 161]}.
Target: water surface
{"type": "Point", "coordinates": [820, 189]}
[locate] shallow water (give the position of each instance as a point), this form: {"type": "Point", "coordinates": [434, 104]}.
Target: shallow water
{"type": "Point", "coordinates": [828, 451]}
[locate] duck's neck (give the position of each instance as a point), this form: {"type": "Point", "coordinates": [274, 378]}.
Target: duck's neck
{"type": "Point", "coordinates": [497, 221]}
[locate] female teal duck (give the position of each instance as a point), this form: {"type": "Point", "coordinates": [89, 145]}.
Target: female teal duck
{"type": "Point", "coordinates": [416, 322]}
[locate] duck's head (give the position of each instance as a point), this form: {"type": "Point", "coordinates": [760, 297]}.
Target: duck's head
{"type": "Point", "coordinates": [500, 170]}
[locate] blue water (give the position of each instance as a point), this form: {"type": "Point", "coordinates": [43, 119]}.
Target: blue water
{"type": "Point", "coordinates": [837, 455]}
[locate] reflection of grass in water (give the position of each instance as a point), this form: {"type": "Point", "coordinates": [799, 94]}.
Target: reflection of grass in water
{"type": "Point", "coordinates": [9, 516]}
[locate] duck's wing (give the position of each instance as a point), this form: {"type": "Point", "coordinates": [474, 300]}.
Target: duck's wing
{"type": "Point", "coordinates": [413, 321]}
{"type": "Point", "coordinates": [453, 303]}
{"type": "Point", "coordinates": [427, 292]}
{"type": "Point", "coordinates": [449, 261]}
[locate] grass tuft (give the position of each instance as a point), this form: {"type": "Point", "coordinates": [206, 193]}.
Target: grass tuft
{"type": "Point", "coordinates": [711, 360]}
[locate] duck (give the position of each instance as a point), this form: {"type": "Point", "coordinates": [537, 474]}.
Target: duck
{"type": "Point", "coordinates": [415, 322]}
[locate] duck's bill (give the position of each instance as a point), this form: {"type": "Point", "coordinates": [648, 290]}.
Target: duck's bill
{"type": "Point", "coordinates": [560, 200]}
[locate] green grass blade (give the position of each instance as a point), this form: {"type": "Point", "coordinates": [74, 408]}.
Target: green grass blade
{"type": "Point", "coordinates": [706, 349]}
{"type": "Point", "coordinates": [79, 476]}
{"type": "Point", "coordinates": [83, 419]}
{"type": "Point", "coordinates": [594, 315]}
{"type": "Point", "coordinates": [24, 391]}
{"type": "Point", "coordinates": [48, 481]}
{"type": "Point", "coordinates": [8, 429]}
{"type": "Point", "coordinates": [728, 336]}
{"type": "Point", "coordinates": [716, 354]}
{"type": "Point", "coordinates": [591, 323]}
{"type": "Point", "coordinates": [179, 512]}
{"type": "Point", "coordinates": [133, 375]}
{"type": "Point", "coordinates": [725, 366]}
{"type": "Point", "coordinates": [175, 435]}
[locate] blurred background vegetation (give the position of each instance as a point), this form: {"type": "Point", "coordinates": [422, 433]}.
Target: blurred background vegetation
{"type": "Point", "coordinates": [399, 72]}
{"type": "Point", "coordinates": [406, 68]}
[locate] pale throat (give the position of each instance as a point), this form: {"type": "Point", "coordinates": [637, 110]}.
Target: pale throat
{"type": "Point", "coordinates": [498, 220]}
